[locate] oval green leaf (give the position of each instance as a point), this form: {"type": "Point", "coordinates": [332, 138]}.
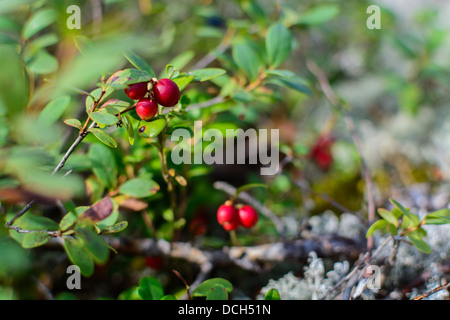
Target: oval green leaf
{"type": "Point", "coordinates": [205, 287]}
{"type": "Point", "coordinates": [272, 294]}
{"type": "Point", "coordinates": [35, 239]}
{"type": "Point", "coordinates": [139, 188]}
{"type": "Point", "coordinates": [104, 137]}
{"type": "Point", "coordinates": [79, 256]}
{"type": "Point", "coordinates": [278, 44]}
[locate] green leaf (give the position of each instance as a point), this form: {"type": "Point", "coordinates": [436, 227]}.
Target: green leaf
{"type": "Point", "coordinates": [388, 216]}
{"type": "Point", "coordinates": [104, 165]}
{"type": "Point", "coordinates": [153, 128]}
{"type": "Point", "coordinates": [295, 83]}
{"type": "Point", "coordinates": [416, 239]}
{"type": "Point", "coordinates": [150, 288]}
{"type": "Point", "coordinates": [119, 226]}
{"type": "Point", "coordinates": [182, 81]}
{"type": "Point", "coordinates": [104, 137]}
{"type": "Point", "coordinates": [114, 106]}
{"type": "Point", "coordinates": [79, 256]}
{"type": "Point", "coordinates": [68, 221]}
{"type": "Point", "coordinates": [54, 110]}
{"type": "Point", "coordinates": [246, 59]}
{"type": "Point", "coordinates": [207, 73]}
{"type": "Point", "coordinates": [139, 63]}
{"type": "Point", "coordinates": [92, 242]}
{"type": "Point", "coordinates": [415, 220]}
{"type": "Point", "coordinates": [377, 225]}
{"type": "Point", "coordinates": [205, 287]}
{"type": "Point", "coordinates": [278, 44]}
{"type": "Point", "coordinates": [168, 297]}
{"type": "Point", "coordinates": [74, 123]}
{"type": "Point", "coordinates": [217, 292]}
{"type": "Point", "coordinates": [319, 15]}
{"type": "Point", "coordinates": [139, 188]}
{"type": "Point", "coordinates": [129, 76]}
{"type": "Point", "coordinates": [31, 222]}
{"type": "Point", "coordinates": [438, 217]}
{"type": "Point", "coordinates": [104, 118]}
{"type": "Point", "coordinates": [272, 294]}
{"type": "Point", "coordinates": [43, 63]}
{"type": "Point", "coordinates": [38, 21]}
{"type": "Point", "coordinates": [35, 239]}
{"type": "Point", "coordinates": [281, 73]}
{"type": "Point", "coordinates": [129, 127]}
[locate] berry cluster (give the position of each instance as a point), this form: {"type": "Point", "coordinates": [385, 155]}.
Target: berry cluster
{"type": "Point", "coordinates": [230, 217]}
{"type": "Point", "coordinates": [164, 92]}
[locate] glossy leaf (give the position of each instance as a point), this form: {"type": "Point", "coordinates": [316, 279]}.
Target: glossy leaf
{"type": "Point", "coordinates": [104, 118]}
{"type": "Point", "coordinates": [104, 137]}
{"type": "Point", "coordinates": [139, 63]}
{"type": "Point", "coordinates": [377, 225]}
{"type": "Point", "coordinates": [104, 165]}
{"type": "Point", "coordinates": [153, 128]}
{"type": "Point", "coordinates": [183, 81]}
{"type": "Point", "coordinates": [217, 292]}
{"type": "Point", "coordinates": [416, 239]}
{"type": "Point", "coordinates": [68, 221]}
{"type": "Point", "coordinates": [119, 226]}
{"type": "Point", "coordinates": [246, 58]}
{"type": "Point", "coordinates": [74, 123]}
{"type": "Point", "coordinates": [92, 242]}
{"type": "Point", "coordinates": [129, 76]}
{"type": "Point", "coordinates": [129, 127]}
{"type": "Point", "coordinates": [38, 21]}
{"type": "Point", "coordinates": [272, 294]}
{"type": "Point", "coordinates": [438, 217]}
{"type": "Point", "coordinates": [388, 216]}
{"type": "Point", "coordinates": [150, 288]}
{"type": "Point", "coordinates": [207, 73]}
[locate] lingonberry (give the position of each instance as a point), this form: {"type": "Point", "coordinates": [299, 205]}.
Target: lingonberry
{"type": "Point", "coordinates": [154, 262]}
{"type": "Point", "coordinates": [166, 92]}
{"type": "Point", "coordinates": [248, 216]}
{"type": "Point", "coordinates": [321, 152]}
{"type": "Point", "coordinates": [146, 109]}
{"type": "Point", "coordinates": [228, 217]}
{"type": "Point", "coordinates": [136, 91]}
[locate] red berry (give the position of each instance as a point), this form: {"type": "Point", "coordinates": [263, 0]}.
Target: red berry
{"type": "Point", "coordinates": [136, 91]}
{"type": "Point", "coordinates": [321, 152]}
{"type": "Point", "coordinates": [154, 262]}
{"type": "Point", "coordinates": [248, 216]}
{"type": "Point", "coordinates": [228, 217]}
{"type": "Point", "coordinates": [146, 109]}
{"type": "Point", "coordinates": [166, 92]}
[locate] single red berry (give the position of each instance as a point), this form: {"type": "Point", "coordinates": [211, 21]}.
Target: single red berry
{"type": "Point", "coordinates": [166, 92]}
{"type": "Point", "coordinates": [228, 217]}
{"type": "Point", "coordinates": [136, 91]}
{"type": "Point", "coordinates": [248, 216]}
{"type": "Point", "coordinates": [146, 109]}
{"type": "Point", "coordinates": [154, 262]}
{"type": "Point", "coordinates": [321, 152]}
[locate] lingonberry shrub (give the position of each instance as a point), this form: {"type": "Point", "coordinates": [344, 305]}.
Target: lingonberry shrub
{"type": "Point", "coordinates": [248, 216]}
{"type": "Point", "coordinates": [136, 91]}
{"type": "Point", "coordinates": [228, 216]}
{"type": "Point", "coordinates": [166, 92]}
{"type": "Point", "coordinates": [146, 109]}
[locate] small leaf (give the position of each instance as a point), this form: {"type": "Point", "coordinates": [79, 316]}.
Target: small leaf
{"type": "Point", "coordinates": [153, 128]}
{"type": "Point", "coordinates": [207, 73]}
{"type": "Point", "coordinates": [104, 118]}
{"type": "Point", "coordinates": [104, 137]}
{"type": "Point", "coordinates": [139, 63]}
{"type": "Point", "coordinates": [217, 292]}
{"type": "Point", "coordinates": [73, 123]}
{"type": "Point", "coordinates": [168, 297]}
{"type": "Point", "coordinates": [54, 110]}
{"type": "Point", "coordinates": [418, 242]}
{"type": "Point", "coordinates": [67, 221]}
{"type": "Point", "coordinates": [119, 226]}
{"type": "Point", "coordinates": [115, 106]}
{"type": "Point", "coordinates": [377, 225]}
{"type": "Point", "coordinates": [319, 14]}
{"type": "Point", "coordinates": [272, 294]}
{"type": "Point", "coordinates": [129, 127]}
{"type": "Point", "coordinates": [99, 211]}
{"type": "Point", "coordinates": [139, 188]}
{"type": "Point", "coordinates": [38, 21]}
{"type": "Point", "coordinates": [43, 63]}
{"type": "Point", "coordinates": [150, 288]}
{"type": "Point", "coordinates": [293, 83]}
{"type": "Point", "coordinates": [246, 58]}
{"type": "Point", "coordinates": [35, 239]}
{"type": "Point", "coordinates": [388, 216]}
{"type": "Point", "coordinates": [92, 242]}
{"type": "Point", "coordinates": [438, 217]}
{"type": "Point", "coordinates": [79, 256]}
{"type": "Point", "coordinates": [205, 287]}
{"type": "Point", "coordinates": [278, 44]}
{"type": "Point", "coordinates": [129, 76]}
{"type": "Point", "coordinates": [250, 186]}
{"type": "Point", "coordinates": [415, 220]}
{"type": "Point", "coordinates": [281, 73]}
{"type": "Point", "coordinates": [182, 81]}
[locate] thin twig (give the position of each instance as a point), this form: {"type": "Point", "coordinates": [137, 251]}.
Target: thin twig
{"type": "Point", "coordinates": [432, 291]}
